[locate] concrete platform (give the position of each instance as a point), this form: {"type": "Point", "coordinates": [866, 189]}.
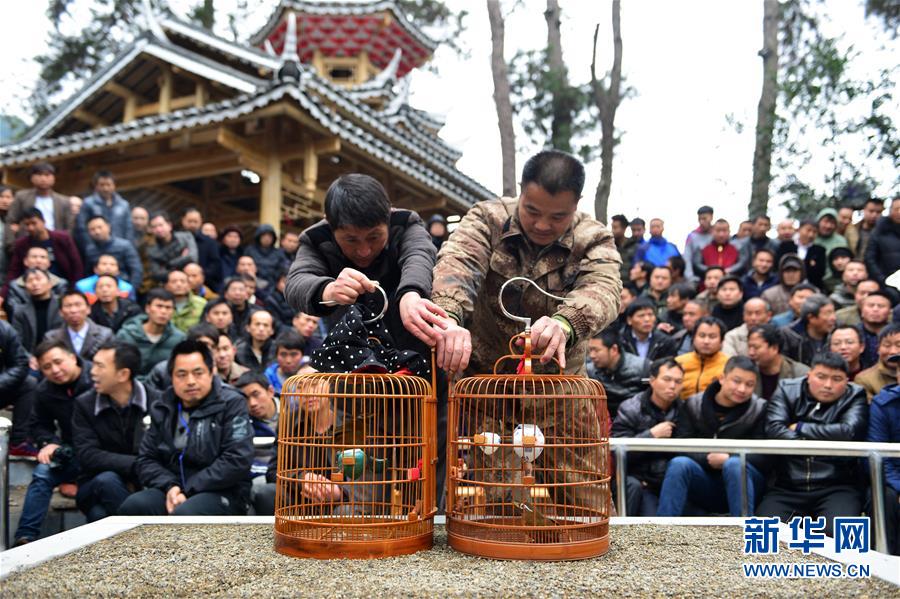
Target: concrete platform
{"type": "Point", "coordinates": [224, 558]}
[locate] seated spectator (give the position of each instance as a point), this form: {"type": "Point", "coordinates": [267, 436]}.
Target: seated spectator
{"type": "Point", "coordinates": [823, 406]}
{"type": "Point", "coordinates": [153, 333]}
{"type": "Point", "coordinates": [169, 250]}
{"type": "Point", "coordinates": [65, 261]}
{"type": "Point", "coordinates": [677, 267]}
{"type": "Point", "coordinates": [255, 296]}
{"type": "Point", "coordinates": [38, 312]}
{"type": "Point", "coordinates": [267, 258]}
{"type": "Point", "coordinates": [621, 374]}
{"type": "Point", "coordinates": [109, 309]}
{"type": "Point", "coordinates": [183, 472]}
{"type": "Point", "coordinates": [703, 365]}
{"type": "Point", "coordinates": [846, 227]}
{"type": "Point", "coordinates": [106, 265]}
{"type": "Point", "coordinates": [720, 252]}
{"type": "Point", "coordinates": [694, 310]}
{"type": "Point", "coordinates": [66, 376]}
{"type": "Point", "coordinates": [657, 250]}
{"type": "Point", "coordinates": [626, 297]}
{"type": "Point", "coordinates": [277, 304]}
{"type": "Point", "coordinates": [882, 253]}
{"type": "Point", "coordinates": [105, 202]}
{"type": "Point", "coordinates": [102, 243]}
{"type": "Point", "coordinates": [759, 236]}
{"type": "Point", "coordinates": [729, 302]}
{"type": "Point", "coordinates": [639, 275]}
{"type": "Point", "coordinates": [207, 248]}
{"type": "Point", "coordinates": [639, 337]}
{"type": "Point", "coordinates": [218, 313]}
{"type": "Point", "coordinates": [308, 327]}
{"type": "Point", "coordinates": [884, 427]}
{"type": "Point", "coordinates": [884, 372]}
{"type": "Point", "coordinates": [107, 427]}
{"type": "Point", "coordinates": [235, 293]}
{"type": "Point", "coordinates": [158, 380]}
{"type": "Point", "coordinates": [875, 315]}
{"type": "Point", "coordinates": [188, 307]}
{"type": "Point", "coordinates": [626, 246]}
{"type": "Point", "coordinates": [872, 211]}
{"type": "Point", "coordinates": [257, 351]}
{"type": "Point", "coordinates": [727, 409]}
{"type": "Point", "coordinates": [197, 281]}
{"type": "Point", "coordinates": [230, 249]}
{"type": "Point", "coordinates": [791, 272]}
{"type": "Point", "coordinates": [54, 207]}
{"type": "Point", "coordinates": [660, 280]}
{"type": "Point", "coordinates": [838, 259]}
{"type": "Point", "coordinates": [209, 229]}
{"type": "Point", "coordinates": [756, 312]}
{"type": "Point", "coordinates": [696, 240]}
{"type": "Point", "coordinates": [226, 367]}
{"type": "Point", "coordinates": [676, 299]}
{"type": "Point", "coordinates": [761, 276]}
{"type": "Point", "coordinates": [852, 315]}
{"type": "Point", "coordinates": [637, 230]}
{"type": "Point", "coordinates": [844, 294]}
{"type": "Point", "coordinates": [79, 333]}
{"type": "Point", "coordinates": [799, 294]}
{"type": "Point", "coordinates": [764, 347]}
{"type": "Point", "coordinates": [37, 258]}
{"type": "Point", "coordinates": [650, 413]}
{"type": "Point", "coordinates": [813, 255]}
{"type": "Point", "coordinates": [16, 389]}
{"type": "Point", "coordinates": [846, 341]}
{"type": "Point", "coordinates": [711, 279]}
{"type": "Point", "coordinates": [826, 233]}
{"type": "Point", "coordinates": [808, 335]}
{"type": "Point", "coordinates": [262, 403]}
{"type": "Point", "coordinates": [289, 349]}
{"type": "Point", "coordinates": [786, 231]}
{"type": "Point", "coordinates": [289, 244]}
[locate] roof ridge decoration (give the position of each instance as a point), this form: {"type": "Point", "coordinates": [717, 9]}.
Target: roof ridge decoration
{"type": "Point", "coordinates": [401, 98]}
{"type": "Point", "coordinates": [290, 60]}
{"type": "Point", "coordinates": [389, 74]}
{"type": "Point", "coordinates": [151, 21]}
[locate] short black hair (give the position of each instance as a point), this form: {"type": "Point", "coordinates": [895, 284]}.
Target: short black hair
{"type": "Point", "coordinates": [97, 217]}
{"type": "Point", "coordinates": [709, 269]}
{"type": "Point", "coordinates": [683, 290]}
{"type": "Point", "coordinates": [555, 172]}
{"type": "Point", "coordinates": [638, 221]}
{"type": "Point", "coordinates": [161, 214]}
{"type": "Point", "coordinates": [190, 346]}
{"type": "Point", "coordinates": [813, 305]}
{"type": "Point", "coordinates": [115, 280]}
{"type": "Point", "coordinates": [705, 210]}
{"type": "Point", "coordinates": [766, 251]}
{"type": "Point", "coordinates": [762, 217]}
{"type": "Point", "coordinates": [102, 175]}
{"type": "Point", "coordinates": [804, 287]}
{"type": "Point", "coordinates": [159, 294]}
{"type": "Point", "coordinates": [69, 292]}
{"type": "Point", "coordinates": [357, 200]}
{"type": "Point", "coordinates": [619, 218]}
{"type": "Point", "coordinates": [641, 303]}
{"type": "Point", "coordinates": [742, 363]}
{"type": "Point", "coordinates": [228, 283]}
{"type": "Point", "coordinates": [291, 340]}
{"type": "Point", "coordinates": [32, 212]}
{"type": "Point", "coordinates": [889, 330]}
{"type": "Point", "coordinates": [646, 266]}
{"type": "Point", "coordinates": [609, 337]}
{"type": "Point", "coordinates": [668, 362]}
{"type": "Point", "coordinates": [213, 303]}
{"type": "Point", "coordinates": [712, 321]}
{"type": "Point", "coordinates": [676, 263]}
{"type": "Point", "coordinates": [731, 279]}
{"type": "Point", "coordinates": [877, 201]}
{"type": "Point", "coordinates": [847, 327]}
{"type": "Point", "coordinates": [204, 329]}
{"type": "Point", "coordinates": [252, 377]}
{"type": "Point", "coordinates": [830, 360]}
{"type": "Point", "coordinates": [30, 271]}
{"type": "Point", "coordinates": [41, 168]}
{"type": "Point", "coordinates": [48, 344]}
{"type": "Point", "coordinates": [770, 334]}
{"type": "Point", "coordinates": [110, 256]}
{"type": "Point", "coordinates": [881, 293]}
{"type": "Point", "coordinates": [127, 355]}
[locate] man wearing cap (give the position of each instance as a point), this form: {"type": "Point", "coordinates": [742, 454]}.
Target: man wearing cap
{"type": "Point", "coordinates": [791, 272]}
{"type": "Point", "coordinates": [826, 231]}
{"type": "Point", "coordinates": [814, 256]}
{"type": "Point", "coordinates": [698, 239]}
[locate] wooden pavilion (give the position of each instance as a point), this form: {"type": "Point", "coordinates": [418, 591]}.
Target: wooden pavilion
{"type": "Point", "coordinates": [257, 132]}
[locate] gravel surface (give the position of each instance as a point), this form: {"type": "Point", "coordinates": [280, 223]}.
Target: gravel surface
{"type": "Point", "coordinates": [238, 561]}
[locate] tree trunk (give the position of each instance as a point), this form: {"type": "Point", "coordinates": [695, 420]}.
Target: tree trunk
{"type": "Point", "coordinates": [607, 101]}
{"type": "Point", "coordinates": [765, 114]}
{"type": "Point", "coordinates": [561, 125]}
{"type": "Point", "coordinates": [501, 99]}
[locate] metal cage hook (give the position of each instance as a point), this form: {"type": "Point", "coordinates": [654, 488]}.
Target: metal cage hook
{"type": "Point", "coordinates": [524, 319]}
{"type": "Point", "coordinates": [378, 316]}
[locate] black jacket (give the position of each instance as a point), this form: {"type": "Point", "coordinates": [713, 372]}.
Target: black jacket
{"type": "Point", "coordinates": [697, 420]}
{"type": "Point", "coordinates": [883, 251]}
{"type": "Point", "coordinates": [245, 356]}
{"type": "Point", "coordinates": [268, 260]}
{"type": "Point", "coordinates": [53, 407]}
{"type": "Point", "coordinates": [107, 438]}
{"type": "Point", "coordinates": [126, 309]}
{"type": "Point", "coordinates": [13, 362]}
{"type": "Point", "coordinates": [636, 417]}
{"type": "Point", "coordinates": [219, 451]}
{"type": "Point", "coordinates": [845, 419]}
{"type": "Point", "coordinates": [406, 264]}
{"type": "Point", "coordinates": [661, 344]}
{"type": "Point", "coordinates": [277, 305]}
{"type": "Point", "coordinates": [798, 345]}
{"type": "Point", "coordinates": [816, 262]}
{"type": "Point", "coordinates": [732, 317]}
{"type": "Point", "coordinates": [24, 320]}
{"type": "Point", "coordinates": [209, 259]}
{"type": "Point", "coordinates": [625, 381]}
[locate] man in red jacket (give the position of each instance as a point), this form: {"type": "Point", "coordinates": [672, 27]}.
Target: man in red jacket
{"type": "Point", "coordinates": [721, 252]}
{"type": "Point", "coordinates": [65, 262]}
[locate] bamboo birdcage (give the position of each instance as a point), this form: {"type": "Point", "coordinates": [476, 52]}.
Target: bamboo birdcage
{"type": "Point", "coordinates": [355, 470]}
{"type": "Point", "coordinates": [528, 458]}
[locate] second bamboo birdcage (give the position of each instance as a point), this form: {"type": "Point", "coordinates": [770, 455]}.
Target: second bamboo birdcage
{"type": "Point", "coordinates": [528, 458]}
{"type": "Point", "coordinates": [355, 470]}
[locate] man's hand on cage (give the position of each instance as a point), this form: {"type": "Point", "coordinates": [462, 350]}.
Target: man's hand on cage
{"type": "Point", "coordinates": [422, 318]}
{"type": "Point", "coordinates": [548, 338]}
{"type": "Point", "coordinates": [454, 347]}
{"type": "Point", "coordinates": [348, 285]}
{"type": "Point", "coordinates": [319, 488]}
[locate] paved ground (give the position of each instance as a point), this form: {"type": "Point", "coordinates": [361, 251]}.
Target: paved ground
{"type": "Point", "coordinates": [238, 561]}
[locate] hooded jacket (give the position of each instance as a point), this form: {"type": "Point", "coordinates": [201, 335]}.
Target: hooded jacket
{"type": "Point", "coordinates": [883, 250]}
{"type": "Point", "coordinates": [779, 295]}
{"type": "Point", "coordinates": [268, 260]}
{"type": "Point", "coordinates": [815, 263]}
{"type": "Point", "coordinates": [151, 353]}
{"type": "Point", "coordinates": [219, 448]}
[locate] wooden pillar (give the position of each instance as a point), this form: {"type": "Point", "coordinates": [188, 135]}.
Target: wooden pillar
{"type": "Point", "coordinates": [166, 85]}
{"type": "Point", "coordinates": [270, 196]}
{"type": "Point", "coordinates": [130, 108]}
{"type": "Point", "coordinates": [310, 170]}
{"type": "Point", "coordinates": [201, 95]}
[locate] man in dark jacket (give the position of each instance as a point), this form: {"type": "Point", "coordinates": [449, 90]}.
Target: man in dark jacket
{"type": "Point", "coordinates": [814, 256]}
{"type": "Point", "coordinates": [107, 428]}
{"type": "Point", "coordinates": [883, 250]}
{"type": "Point", "coordinates": [39, 312]}
{"type": "Point", "coordinates": [622, 375]}
{"type": "Point", "coordinates": [79, 332]}
{"type": "Point", "coordinates": [640, 337]}
{"type": "Point", "coordinates": [66, 377]}
{"type": "Point", "coordinates": [267, 257]}
{"type": "Point", "coordinates": [170, 251]}
{"type": "Point", "coordinates": [16, 388]}
{"type": "Point", "coordinates": [822, 406]}
{"type": "Point", "coordinates": [727, 409]}
{"type": "Point", "coordinates": [110, 205]}
{"type": "Point", "coordinates": [110, 310]}
{"type": "Point", "coordinates": [884, 427]}
{"type": "Point", "coordinates": [652, 413]}
{"type": "Point", "coordinates": [207, 248]}
{"type": "Point", "coordinates": [231, 240]}
{"type": "Point", "coordinates": [101, 241]}
{"type": "Point", "coordinates": [808, 335]}
{"type": "Point", "coordinates": [195, 457]}
{"type": "Point", "coordinates": [65, 261]}
{"type": "Point", "coordinates": [153, 333]}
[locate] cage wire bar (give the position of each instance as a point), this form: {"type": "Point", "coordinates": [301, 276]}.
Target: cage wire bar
{"type": "Point", "coordinates": [875, 452]}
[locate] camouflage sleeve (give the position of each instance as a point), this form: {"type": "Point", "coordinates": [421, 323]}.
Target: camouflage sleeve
{"type": "Point", "coordinates": [594, 301]}
{"type": "Point", "coordinates": [462, 264]}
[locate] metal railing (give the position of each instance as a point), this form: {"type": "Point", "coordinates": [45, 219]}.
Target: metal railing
{"type": "Point", "coordinates": [875, 452]}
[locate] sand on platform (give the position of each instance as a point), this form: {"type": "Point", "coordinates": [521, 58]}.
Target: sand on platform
{"type": "Point", "coordinates": [239, 561]}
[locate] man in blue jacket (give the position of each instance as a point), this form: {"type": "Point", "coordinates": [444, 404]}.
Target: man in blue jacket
{"type": "Point", "coordinates": [110, 205]}
{"type": "Point", "coordinates": [195, 458]}
{"type": "Point", "coordinates": [657, 250]}
{"type": "Point", "coordinates": [102, 242]}
{"type": "Point", "coordinates": [884, 427]}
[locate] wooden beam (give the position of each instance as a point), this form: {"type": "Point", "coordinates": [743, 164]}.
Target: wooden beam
{"type": "Point", "coordinates": [15, 178]}
{"type": "Point", "coordinates": [130, 112]}
{"type": "Point", "coordinates": [201, 94]}
{"type": "Point", "coordinates": [166, 86]}
{"type": "Point", "coordinates": [86, 117]}
{"type": "Point", "coordinates": [329, 145]}
{"type": "Point", "coordinates": [247, 153]}
{"type": "Point", "coordinates": [123, 92]}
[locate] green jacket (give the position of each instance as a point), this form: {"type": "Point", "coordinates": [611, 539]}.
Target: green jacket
{"type": "Point", "coordinates": [189, 314]}
{"type": "Point", "coordinates": [151, 353]}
